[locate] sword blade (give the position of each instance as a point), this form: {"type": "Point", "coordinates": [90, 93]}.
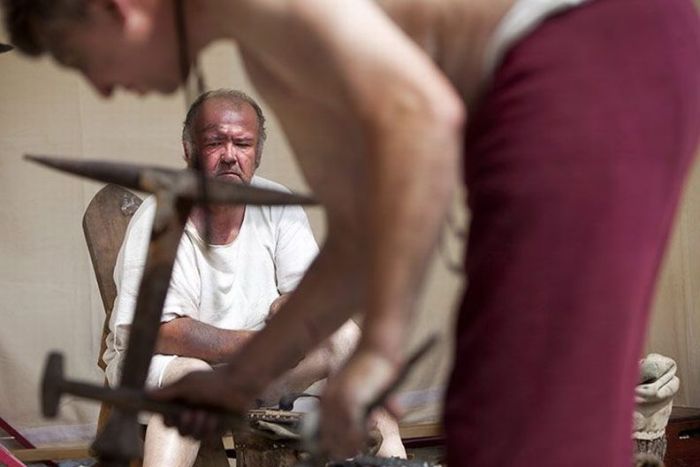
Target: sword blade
{"type": "Point", "coordinates": [120, 173]}
{"type": "Point", "coordinates": [185, 183]}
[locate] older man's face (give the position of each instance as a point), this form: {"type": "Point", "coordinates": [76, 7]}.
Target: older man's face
{"type": "Point", "coordinates": [225, 136]}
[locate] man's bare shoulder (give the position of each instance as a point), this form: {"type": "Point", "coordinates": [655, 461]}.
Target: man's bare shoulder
{"type": "Point", "coordinates": [450, 16]}
{"type": "Point", "coordinates": [415, 17]}
{"type": "Point", "coordinates": [455, 33]}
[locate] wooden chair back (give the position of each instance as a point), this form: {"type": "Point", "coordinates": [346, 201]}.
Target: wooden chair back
{"type": "Point", "coordinates": [104, 225]}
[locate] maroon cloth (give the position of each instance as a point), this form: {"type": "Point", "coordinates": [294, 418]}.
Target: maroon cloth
{"type": "Point", "coordinates": [574, 161]}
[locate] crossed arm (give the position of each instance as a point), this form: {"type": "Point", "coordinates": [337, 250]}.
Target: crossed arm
{"type": "Point", "coordinates": [189, 337]}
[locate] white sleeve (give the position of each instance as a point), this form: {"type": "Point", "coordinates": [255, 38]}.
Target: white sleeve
{"type": "Point", "coordinates": [128, 272]}
{"type": "Point", "coordinates": [183, 293]}
{"type": "Point", "coordinates": [127, 278]}
{"type": "Point", "coordinates": [295, 249]}
{"type": "Point", "coordinates": [130, 263]}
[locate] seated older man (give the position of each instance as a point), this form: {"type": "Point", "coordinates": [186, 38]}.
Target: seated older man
{"type": "Point", "coordinates": [221, 294]}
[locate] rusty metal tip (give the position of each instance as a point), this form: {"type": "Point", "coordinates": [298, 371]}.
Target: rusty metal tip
{"type": "Point", "coordinates": [53, 162]}
{"type": "Point", "coordinates": [33, 158]}
{"type": "Point", "coordinates": [43, 160]}
{"type": "Point", "coordinates": [120, 173]}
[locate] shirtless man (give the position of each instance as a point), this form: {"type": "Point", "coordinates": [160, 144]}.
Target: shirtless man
{"type": "Point", "coordinates": [582, 126]}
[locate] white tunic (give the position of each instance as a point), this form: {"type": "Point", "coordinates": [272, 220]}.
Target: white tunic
{"type": "Point", "coordinates": [230, 287]}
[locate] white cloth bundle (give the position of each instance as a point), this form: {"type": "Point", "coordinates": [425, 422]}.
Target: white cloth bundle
{"type": "Point", "coordinates": [658, 384]}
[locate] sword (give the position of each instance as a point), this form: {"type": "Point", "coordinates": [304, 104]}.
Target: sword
{"type": "Point", "coordinates": [176, 192]}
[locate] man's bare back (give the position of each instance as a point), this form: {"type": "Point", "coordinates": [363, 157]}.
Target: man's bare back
{"type": "Point", "coordinates": [327, 137]}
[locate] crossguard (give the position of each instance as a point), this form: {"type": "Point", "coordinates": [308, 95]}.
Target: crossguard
{"type": "Point", "coordinates": [54, 386]}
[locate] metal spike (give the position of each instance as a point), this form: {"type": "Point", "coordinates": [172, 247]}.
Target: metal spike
{"type": "Point", "coordinates": [124, 174]}
{"type": "Point", "coordinates": [183, 182]}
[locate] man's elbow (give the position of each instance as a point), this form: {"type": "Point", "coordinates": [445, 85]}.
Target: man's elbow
{"type": "Point", "coordinates": [432, 118]}
{"type": "Point", "coordinates": [449, 111]}
{"type": "Point", "coordinates": [447, 115]}
{"type": "Point", "coordinates": [169, 336]}
{"type": "Point", "coordinates": [431, 100]}
{"type": "Point", "coordinates": [440, 124]}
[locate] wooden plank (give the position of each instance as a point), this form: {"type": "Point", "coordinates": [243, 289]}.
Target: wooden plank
{"type": "Point", "coordinates": [19, 438]}
{"type": "Point", "coordinates": [408, 431]}
{"type": "Point", "coordinates": [52, 453]}
{"type": "Point", "coordinates": [681, 413]}
{"type": "Point", "coordinates": [420, 430]}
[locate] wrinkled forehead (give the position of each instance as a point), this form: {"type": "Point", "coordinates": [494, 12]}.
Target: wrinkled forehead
{"type": "Point", "coordinates": [222, 114]}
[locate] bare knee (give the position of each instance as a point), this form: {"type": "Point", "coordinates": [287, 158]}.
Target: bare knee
{"type": "Point", "coordinates": [391, 446]}
{"type": "Point", "coordinates": [342, 344]}
{"type": "Point", "coordinates": [181, 366]}
{"type": "Point", "coordinates": [164, 447]}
